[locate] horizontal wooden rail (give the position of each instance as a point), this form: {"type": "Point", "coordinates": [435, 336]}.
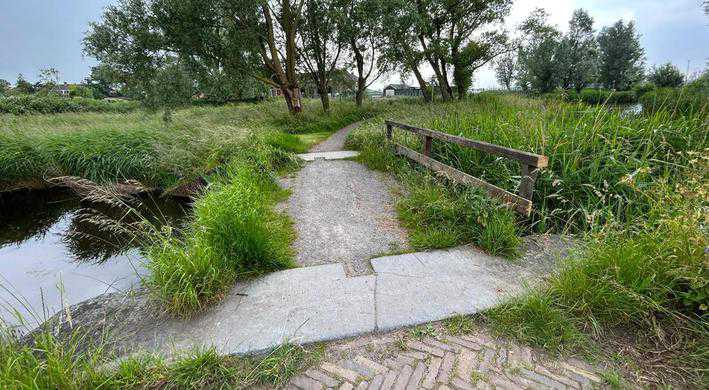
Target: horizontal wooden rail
{"type": "Point", "coordinates": [530, 162]}
{"type": "Point", "coordinates": [535, 160]}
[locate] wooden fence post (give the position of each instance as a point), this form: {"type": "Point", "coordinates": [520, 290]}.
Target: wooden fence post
{"type": "Point", "coordinates": [427, 145]}
{"type": "Point", "coordinates": [390, 131]}
{"type": "Point", "coordinates": [526, 186]}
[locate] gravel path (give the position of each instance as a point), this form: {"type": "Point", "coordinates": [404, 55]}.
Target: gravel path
{"type": "Point", "coordinates": [336, 141]}
{"type": "Point", "coordinates": [343, 212]}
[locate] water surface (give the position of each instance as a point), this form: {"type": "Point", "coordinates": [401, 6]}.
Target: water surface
{"type": "Point", "coordinates": [55, 251]}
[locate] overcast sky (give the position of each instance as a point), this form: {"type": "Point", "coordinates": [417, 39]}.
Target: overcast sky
{"type": "Point", "coordinates": [39, 33]}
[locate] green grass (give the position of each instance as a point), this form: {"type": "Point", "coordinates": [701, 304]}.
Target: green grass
{"type": "Point", "coordinates": [106, 147]}
{"type": "Point", "coordinates": [600, 160]}
{"type": "Point", "coordinates": [71, 364]}
{"type": "Point", "coordinates": [235, 235]}
{"type": "Point", "coordinates": [28, 104]}
{"type": "Point", "coordinates": [441, 217]}
{"type": "Point", "coordinates": [632, 186]}
{"type": "Point", "coordinates": [649, 278]}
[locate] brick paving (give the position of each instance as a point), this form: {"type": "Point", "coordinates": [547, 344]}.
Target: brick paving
{"type": "Point", "coordinates": [406, 359]}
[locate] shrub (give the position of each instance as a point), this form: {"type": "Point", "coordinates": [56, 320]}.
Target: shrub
{"type": "Point", "coordinates": [30, 104]}
{"type": "Point", "coordinates": [679, 101]}
{"type": "Point", "coordinates": [601, 96]}
{"type": "Point", "coordinates": [641, 89]}
{"type": "Point", "coordinates": [666, 76]}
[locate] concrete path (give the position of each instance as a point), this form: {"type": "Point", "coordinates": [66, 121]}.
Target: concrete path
{"type": "Point", "coordinates": [343, 211]}
{"type": "Point", "coordinates": [336, 141]}
{"type": "Point", "coordinates": [321, 303]}
{"type": "Point", "coordinates": [344, 216]}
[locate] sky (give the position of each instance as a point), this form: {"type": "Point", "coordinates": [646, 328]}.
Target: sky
{"type": "Point", "coordinates": [36, 34]}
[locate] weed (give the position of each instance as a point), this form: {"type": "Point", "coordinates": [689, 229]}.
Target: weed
{"type": "Point", "coordinates": [422, 331]}
{"type": "Point", "coordinates": [460, 324]}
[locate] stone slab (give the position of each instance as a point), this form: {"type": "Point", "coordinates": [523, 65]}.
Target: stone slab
{"type": "Point", "coordinates": [336, 155]}
{"type": "Point", "coordinates": [295, 306]}
{"type": "Point", "coordinates": [422, 287]}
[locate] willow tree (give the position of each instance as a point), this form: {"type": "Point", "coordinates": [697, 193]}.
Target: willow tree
{"type": "Point", "coordinates": [361, 27]}
{"type": "Point", "coordinates": [321, 44]}
{"type": "Point", "coordinates": [401, 46]}
{"type": "Point", "coordinates": [459, 34]}
{"type": "Point", "coordinates": [230, 38]}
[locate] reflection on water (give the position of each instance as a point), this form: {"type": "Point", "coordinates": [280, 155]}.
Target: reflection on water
{"type": "Point", "coordinates": [55, 252]}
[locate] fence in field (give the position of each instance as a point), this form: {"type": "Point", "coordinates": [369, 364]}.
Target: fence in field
{"type": "Point", "coordinates": [531, 164]}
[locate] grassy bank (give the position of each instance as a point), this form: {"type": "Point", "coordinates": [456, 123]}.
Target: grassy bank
{"type": "Point", "coordinates": [599, 159]}
{"type": "Point", "coordinates": [632, 186]}
{"type": "Point", "coordinates": [29, 104]}
{"type": "Point", "coordinates": [138, 145]}
{"type": "Point", "coordinates": [54, 364]}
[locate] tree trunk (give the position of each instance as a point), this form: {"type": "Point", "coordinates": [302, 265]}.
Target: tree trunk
{"type": "Point", "coordinates": [359, 97]}
{"type": "Point", "coordinates": [423, 85]}
{"type": "Point", "coordinates": [293, 101]}
{"type": "Point", "coordinates": [324, 97]}
{"type": "Point", "coordinates": [361, 81]}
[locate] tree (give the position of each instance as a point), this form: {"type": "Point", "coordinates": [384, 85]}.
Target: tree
{"type": "Point", "coordinates": [361, 27]}
{"type": "Point", "coordinates": [578, 52]}
{"type": "Point", "coordinates": [450, 34]}
{"type": "Point", "coordinates": [48, 76]}
{"type": "Point", "coordinates": [23, 86]}
{"type": "Point", "coordinates": [621, 56]}
{"type": "Point", "coordinates": [81, 91]}
{"type": "Point", "coordinates": [321, 44]}
{"type": "Point", "coordinates": [171, 88]}
{"type": "Point", "coordinates": [447, 34]}
{"type": "Point", "coordinates": [105, 81]}
{"type": "Point", "coordinates": [231, 37]}
{"type": "Point", "coordinates": [666, 75]}
{"type": "Point", "coordinates": [538, 65]}
{"type": "Point", "coordinates": [505, 70]}
{"type": "Point", "coordinates": [401, 42]}
{"type": "Point", "coordinates": [5, 87]}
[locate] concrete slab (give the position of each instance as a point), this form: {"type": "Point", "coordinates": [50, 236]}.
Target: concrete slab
{"type": "Point", "coordinates": [320, 303]}
{"type": "Point", "coordinates": [300, 306]}
{"type": "Point", "coordinates": [336, 155]}
{"type": "Point", "coordinates": [422, 287]}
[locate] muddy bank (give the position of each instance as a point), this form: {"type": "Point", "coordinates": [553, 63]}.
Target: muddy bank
{"type": "Point", "coordinates": [187, 189]}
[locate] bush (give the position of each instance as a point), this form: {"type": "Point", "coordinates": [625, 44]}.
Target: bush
{"type": "Point", "coordinates": [30, 104]}
{"type": "Point", "coordinates": [677, 101]}
{"type": "Point", "coordinates": [234, 235]}
{"type": "Point", "coordinates": [666, 76]}
{"type": "Point", "coordinates": [641, 89]}
{"type": "Point", "coordinates": [602, 96]}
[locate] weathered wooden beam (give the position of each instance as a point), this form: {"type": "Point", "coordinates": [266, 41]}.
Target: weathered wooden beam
{"type": "Point", "coordinates": [515, 202]}
{"type": "Point", "coordinates": [525, 158]}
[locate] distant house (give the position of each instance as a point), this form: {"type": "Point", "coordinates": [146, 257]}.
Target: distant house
{"type": "Point", "coordinates": [392, 90]}
{"type": "Point", "coordinates": [61, 90]}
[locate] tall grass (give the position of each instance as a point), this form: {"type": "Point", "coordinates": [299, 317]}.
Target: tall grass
{"type": "Point", "coordinates": [51, 363]}
{"type": "Point", "coordinates": [106, 147]}
{"type": "Point", "coordinates": [29, 104]}
{"type": "Point", "coordinates": [599, 159]}
{"type": "Point", "coordinates": [234, 235]}
{"type": "Point", "coordinates": [649, 278]}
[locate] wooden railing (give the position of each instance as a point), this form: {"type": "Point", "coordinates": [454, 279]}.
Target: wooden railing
{"type": "Point", "coordinates": [531, 164]}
